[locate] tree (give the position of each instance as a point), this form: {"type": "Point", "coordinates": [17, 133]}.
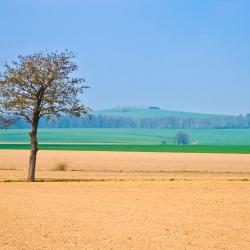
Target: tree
{"type": "Point", "coordinates": [181, 138]}
{"type": "Point", "coordinates": [40, 85]}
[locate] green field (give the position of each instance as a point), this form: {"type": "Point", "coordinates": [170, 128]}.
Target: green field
{"type": "Point", "coordinates": [140, 140]}
{"type": "Point", "coordinates": [129, 136]}
{"type": "Point", "coordinates": [237, 149]}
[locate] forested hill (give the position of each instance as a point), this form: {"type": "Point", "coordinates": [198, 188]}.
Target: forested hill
{"type": "Point", "coordinates": [152, 117]}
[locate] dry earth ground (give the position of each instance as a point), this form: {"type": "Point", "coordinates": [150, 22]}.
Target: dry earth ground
{"type": "Point", "coordinates": [203, 208]}
{"type": "Point", "coordinates": [126, 165]}
{"type": "Point", "coordinates": [125, 215]}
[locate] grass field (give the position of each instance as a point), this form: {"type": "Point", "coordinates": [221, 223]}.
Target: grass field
{"type": "Point", "coordinates": [139, 140]}
{"type": "Point", "coordinates": [130, 136]}
{"type": "Point", "coordinates": [229, 149]}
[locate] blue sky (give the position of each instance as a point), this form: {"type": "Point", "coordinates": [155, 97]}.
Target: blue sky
{"type": "Point", "coordinates": [187, 55]}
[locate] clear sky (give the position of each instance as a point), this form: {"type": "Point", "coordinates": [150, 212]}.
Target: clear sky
{"type": "Point", "coordinates": [187, 55]}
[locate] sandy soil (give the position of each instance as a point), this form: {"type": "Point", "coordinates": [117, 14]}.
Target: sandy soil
{"type": "Point", "coordinates": [128, 161]}
{"type": "Point", "coordinates": [125, 215]}
{"type": "Point", "coordinates": [117, 175]}
{"type": "Point", "coordinates": [126, 165]}
{"type": "Point", "coordinates": [200, 208]}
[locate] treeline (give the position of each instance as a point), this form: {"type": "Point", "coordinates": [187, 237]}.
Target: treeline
{"type": "Point", "coordinates": [101, 121]}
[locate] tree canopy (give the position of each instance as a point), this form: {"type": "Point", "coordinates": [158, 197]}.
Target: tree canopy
{"type": "Point", "coordinates": [41, 82]}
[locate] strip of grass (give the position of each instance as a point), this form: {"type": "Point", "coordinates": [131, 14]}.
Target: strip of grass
{"type": "Point", "coordinates": [237, 149]}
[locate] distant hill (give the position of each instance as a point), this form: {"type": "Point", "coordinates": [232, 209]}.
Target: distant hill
{"type": "Point", "coordinates": [150, 112]}
{"type": "Point", "coordinates": [145, 118]}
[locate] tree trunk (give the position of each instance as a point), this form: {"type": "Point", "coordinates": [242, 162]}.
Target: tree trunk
{"type": "Point", "coordinates": [34, 148]}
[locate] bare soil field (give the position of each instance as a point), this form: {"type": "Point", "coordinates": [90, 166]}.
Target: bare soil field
{"type": "Point", "coordinates": [126, 165]}
{"type": "Point", "coordinates": [125, 215]}
{"type": "Point", "coordinates": [125, 201]}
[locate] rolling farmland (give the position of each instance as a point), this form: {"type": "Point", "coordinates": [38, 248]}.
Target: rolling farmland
{"type": "Point", "coordinates": [141, 140]}
{"type": "Point", "coordinates": [129, 136]}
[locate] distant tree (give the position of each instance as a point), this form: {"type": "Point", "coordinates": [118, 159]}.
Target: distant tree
{"type": "Point", "coordinates": [153, 107]}
{"type": "Point", "coordinates": [248, 120]}
{"type": "Point", "coordinates": [181, 138]}
{"type": "Point", "coordinates": [40, 85]}
{"type": "Point", "coordinates": [163, 142]}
